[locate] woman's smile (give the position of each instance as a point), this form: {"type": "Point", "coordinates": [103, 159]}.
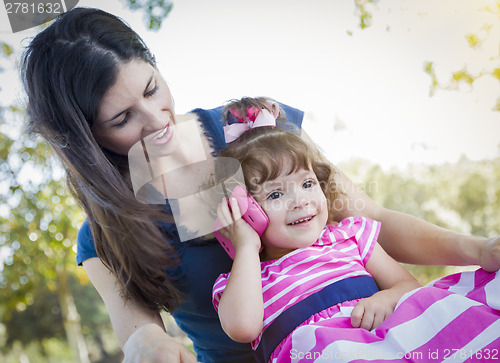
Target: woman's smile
{"type": "Point", "coordinates": [162, 132]}
{"type": "Point", "coordinates": [163, 136]}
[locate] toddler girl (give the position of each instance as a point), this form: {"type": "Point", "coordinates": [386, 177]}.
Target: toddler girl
{"type": "Point", "coordinates": [308, 288]}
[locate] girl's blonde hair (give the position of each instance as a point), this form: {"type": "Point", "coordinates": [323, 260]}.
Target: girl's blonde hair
{"type": "Point", "coordinates": [265, 152]}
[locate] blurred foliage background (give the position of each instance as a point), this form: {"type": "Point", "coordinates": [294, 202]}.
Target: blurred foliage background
{"type": "Point", "coordinates": [48, 310]}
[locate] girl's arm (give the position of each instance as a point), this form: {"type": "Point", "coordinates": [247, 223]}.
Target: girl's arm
{"type": "Point", "coordinates": [241, 307]}
{"type": "Point", "coordinates": [140, 332]}
{"type": "Point", "coordinates": [393, 281]}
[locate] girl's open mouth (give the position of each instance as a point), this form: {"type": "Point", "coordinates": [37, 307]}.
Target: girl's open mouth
{"type": "Point", "coordinates": [301, 221]}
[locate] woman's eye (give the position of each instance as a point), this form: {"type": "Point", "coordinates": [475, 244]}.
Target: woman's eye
{"type": "Point", "coordinates": [123, 121]}
{"type": "Point", "coordinates": [274, 195]}
{"type": "Point", "coordinates": [308, 184]}
{"type": "Point", "coordinates": [152, 92]}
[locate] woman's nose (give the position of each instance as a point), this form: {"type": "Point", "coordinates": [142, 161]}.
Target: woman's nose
{"type": "Point", "coordinates": [153, 121]}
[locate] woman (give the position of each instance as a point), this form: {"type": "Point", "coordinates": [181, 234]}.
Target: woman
{"type": "Point", "coordinates": [94, 92]}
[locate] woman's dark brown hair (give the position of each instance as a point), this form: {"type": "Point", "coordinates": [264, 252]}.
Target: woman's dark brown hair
{"type": "Point", "coordinates": [67, 69]}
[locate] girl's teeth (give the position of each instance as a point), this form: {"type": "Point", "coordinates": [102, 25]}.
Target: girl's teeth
{"type": "Point", "coordinates": [301, 220]}
{"type": "Point", "coordinates": [161, 134]}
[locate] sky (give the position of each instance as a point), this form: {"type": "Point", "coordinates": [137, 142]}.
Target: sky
{"type": "Point", "coordinates": [365, 92]}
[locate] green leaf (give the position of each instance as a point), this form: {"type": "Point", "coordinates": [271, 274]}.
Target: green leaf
{"type": "Point", "coordinates": [497, 108]}
{"type": "Point", "coordinates": [463, 76]}
{"type": "Point", "coordinates": [6, 49]}
{"type": "Point", "coordinates": [365, 16]}
{"type": "Point", "coordinates": [155, 10]}
{"type": "Point", "coordinates": [429, 69]}
{"type": "Point", "coordinates": [496, 73]}
{"type": "Point", "coordinates": [5, 145]}
{"type": "Point", "coordinates": [473, 40]}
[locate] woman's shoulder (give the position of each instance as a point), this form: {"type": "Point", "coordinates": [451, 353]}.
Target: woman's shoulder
{"type": "Point", "coordinates": [212, 126]}
{"type": "Point", "coordinates": [85, 247]}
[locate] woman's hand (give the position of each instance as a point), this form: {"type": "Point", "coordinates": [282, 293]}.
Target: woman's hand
{"type": "Point", "coordinates": [489, 257]}
{"type": "Point", "coordinates": [150, 344]}
{"type": "Point", "coordinates": [239, 232]}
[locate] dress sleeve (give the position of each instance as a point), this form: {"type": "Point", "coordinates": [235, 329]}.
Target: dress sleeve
{"type": "Point", "coordinates": [363, 231]}
{"type": "Point", "coordinates": [218, 289]}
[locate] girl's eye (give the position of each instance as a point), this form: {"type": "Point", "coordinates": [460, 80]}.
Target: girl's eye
{"type": "Point", "coordinates": [152, 92]}
{"type": "Point", "coordinates": [308, 184]}
{"type": "Point", "coordinates": [274, 195]}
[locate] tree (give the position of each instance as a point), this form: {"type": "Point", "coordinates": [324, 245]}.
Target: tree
{"type": "Point", "coordinates": [464, 197]}
{"type": "Point", "coordinates": [155, 10]}
{"type": "Point", "coordinates": [39, 231]}
{"type": "Point", "coordinates": [38, 227]}
{"type": "Point", "coordinates": [366, 10]}
{"type": "Point", "coordinates": [475, 41]}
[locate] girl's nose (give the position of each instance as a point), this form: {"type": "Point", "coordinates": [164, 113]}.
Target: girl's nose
{"type": "Point", "coordinates": [299, 200]}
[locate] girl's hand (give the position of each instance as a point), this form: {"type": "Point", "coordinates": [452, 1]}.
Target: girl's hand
{"type": "Point", "coordinates": [393, 281]}
{"type": "Point", "coordinates": [369, 313]}
{"type": "Point", "coordinates": [150, 344]}
{"type": "Point", "coordinates": [241, 307]}
{"type": "Point", "coordinates": [237, 230]}
{"type": "Point", "coordinates": [489, 258]}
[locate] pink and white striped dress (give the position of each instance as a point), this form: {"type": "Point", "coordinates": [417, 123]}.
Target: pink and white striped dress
{"type": "Point", "coordinates": [456, 318]}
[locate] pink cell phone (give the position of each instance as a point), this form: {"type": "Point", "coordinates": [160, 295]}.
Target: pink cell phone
{"type": "Point", "coordinates": [251, 212]}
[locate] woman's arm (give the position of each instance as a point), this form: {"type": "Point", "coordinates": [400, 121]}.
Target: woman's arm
{"type": "Point", "coordinates": [241, 307]}
{"type": "Point", "coordinates": [412, 240]}
{"type": "Point", "coordinates": [393, 281]}
{"type": "Point", "coordinates": [140, 332]}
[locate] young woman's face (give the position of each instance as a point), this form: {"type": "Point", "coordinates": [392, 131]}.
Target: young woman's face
{"type": "Point", "coordinates": [137, 105]}
{"type": "Point", "coordinates": [297, 211]}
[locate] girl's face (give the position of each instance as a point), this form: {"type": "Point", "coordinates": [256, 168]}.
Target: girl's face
{"type": "Point", "coordinates": [137, 105]}
{"type": "Point", "coordinates": [297, 211]}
